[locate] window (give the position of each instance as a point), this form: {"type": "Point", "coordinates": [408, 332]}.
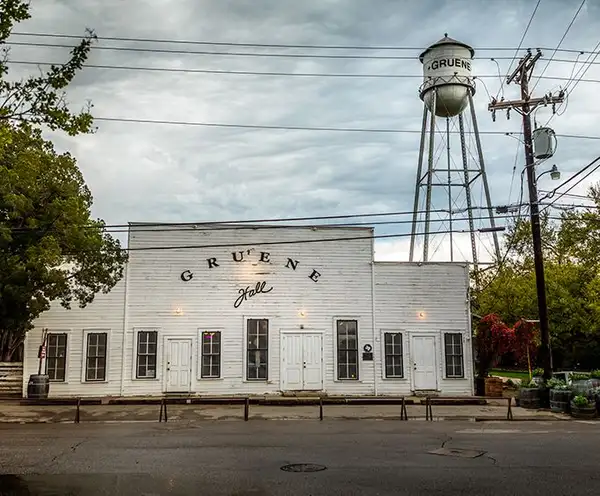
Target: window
{"type": "Point", "coordinates": [394, 366]}
{"type": "Point", "coordinates": [95, 361]}
{"type": "Point", "coordinates": [211, 354]}
{"type": "Point", "coordinates": [347, 349]}
{"type": "Point", "coordinates": [146, 355]}
{"type": "Point", "coordinates": [454, 355]}
{"type": "Point", "coordinates": [258, 350]}
{"type": "Point", "coordinates": [56, 357]}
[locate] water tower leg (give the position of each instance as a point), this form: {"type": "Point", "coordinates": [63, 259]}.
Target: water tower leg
{"type": "Point", "coordinates": [429, 177]}
{"type": "Point", "coordinates": [486, 187]}
{"type": "Point", "coordinates": [463, 148]}
{"type": "Point", "coordinates": [418, 184]}
{"type": "Point", "coordinates": [449, 189]}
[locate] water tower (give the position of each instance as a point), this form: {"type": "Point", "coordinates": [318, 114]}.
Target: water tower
{"type": "Point", "coordinates": [448, 183]}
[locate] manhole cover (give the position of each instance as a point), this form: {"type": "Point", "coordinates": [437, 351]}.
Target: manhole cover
{"type": "Point", "coordinates": [303, 467]}
{"type": "Point", "coordinates": [460, 452]}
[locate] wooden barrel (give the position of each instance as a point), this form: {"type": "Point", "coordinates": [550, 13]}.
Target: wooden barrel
{"type": "Point", "coordinates": [529, 398]}
{"type": "Point", "coordinates": [585, 412]}
{"type": "Point", "coordinates": [560, 400]}
{"type": "Point", "coordinates": [38, 386]}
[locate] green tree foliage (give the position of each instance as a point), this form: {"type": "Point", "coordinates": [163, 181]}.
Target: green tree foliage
{"type": "Point", "coordinates": [572, 267]}
{"type": "Point", "coordinates": [41, 99]}
{"type": "Point", "coordinates": [50, 247]}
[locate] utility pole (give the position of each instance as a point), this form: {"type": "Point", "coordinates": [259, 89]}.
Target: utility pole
{"type": "Point", "coordinates": [522, 75]}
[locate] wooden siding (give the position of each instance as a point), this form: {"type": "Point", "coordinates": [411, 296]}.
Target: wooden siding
{"type": "Point", "coordinates": [11, 378]}
{"type": "Point", "coordinates": [104, 314]}
{"type": "Point", "coordinates": [158, 299]}
{"type": "Point", "coordinates": [424, 299]}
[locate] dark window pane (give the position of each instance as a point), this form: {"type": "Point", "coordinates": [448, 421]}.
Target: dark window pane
{"type": "Point", "coordinates": [347, 349]}
{"type": "Point", "coordinates": [211, 354]}
{"type": "Point", "coordinates": [56, 347]}
{"type": "Point", "coordinates": [454, 355]}
{"type": "Point", "coordinates": [257, 347]}
{"type": "Point", "coordinates": [393, 355]}
{"type": "Point", "coordinates": [146, 357]}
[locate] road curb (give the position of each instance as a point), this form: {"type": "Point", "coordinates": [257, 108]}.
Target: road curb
{"type": "Point", "coordinates": [465, 418]}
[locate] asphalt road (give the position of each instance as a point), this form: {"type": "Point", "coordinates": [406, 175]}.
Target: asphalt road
{"type": "Point", "coordinates": [245, 458]}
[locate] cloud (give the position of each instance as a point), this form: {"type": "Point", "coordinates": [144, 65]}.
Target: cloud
{"type": "Point", "coordinates": [146, 172]}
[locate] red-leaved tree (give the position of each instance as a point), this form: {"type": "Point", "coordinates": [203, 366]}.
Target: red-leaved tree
{"type": "Point", "coordinates": [493, 339]}
{"type": "Point", "coordinates": [526, 343]}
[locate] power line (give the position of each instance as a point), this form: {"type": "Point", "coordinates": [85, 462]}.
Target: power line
{"type": "Point", "coordinates": [578, 182]}
{"type": "Point", "coordinates": [193, 228]}
{"type": "Point", "coordinates": [519, 47]}
{"type": "Point", "coordinates": [256, 222]}
{"type": "Point", "coordinates": [558, 46]}
{"type": "Point", "coordinates": [263, 73]}
{"type": "Point", "coordinates": [568, 90]}
{"type": "Point", "coordinates": [256, 45]}
{"type": "Point", "coordinates": [550, 194]}
{"type": "Point", "coordinates": [571, 195]}
{"type": "Point", "coordinates": [308, 128]}
{"type": "Point", "coordinates": [286, 242]}
{"type": "Point", "coordinates": [236, 54]}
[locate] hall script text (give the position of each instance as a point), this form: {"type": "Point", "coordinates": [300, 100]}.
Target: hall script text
{"type": "Point", "coordinates": [247, 293]}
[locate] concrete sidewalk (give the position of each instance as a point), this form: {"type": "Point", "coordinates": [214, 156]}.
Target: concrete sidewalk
{"type": "Point", "coordinates": [17, 413]}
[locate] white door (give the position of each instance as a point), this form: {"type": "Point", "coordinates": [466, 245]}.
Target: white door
{"type": "Point", "coordinates": [179, 365]}
{"type": "Point", "coordinates": [292, 361]}
{"type": "Point", "coordinates": [301, 362]}
{"type": "Point", "coordinates": [311, 350]}
{"type": "Point", "coordinates": [424, 362]}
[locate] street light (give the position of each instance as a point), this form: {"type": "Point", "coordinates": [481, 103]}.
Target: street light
{"type": "Point", "coordinates": [554, 173]}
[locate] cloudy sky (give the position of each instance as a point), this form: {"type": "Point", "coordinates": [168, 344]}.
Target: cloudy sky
{"type": "Point", "coordinates": [159, 172]}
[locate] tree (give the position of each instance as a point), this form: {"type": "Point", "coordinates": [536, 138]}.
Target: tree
{"type": "Point", "coordinates": [572, 267]}
{"type": "Point", "coordinates": [50, 248]}
{"type": "Point", "coordinates": [492, 339]}
{"type": "Point", "coordinates": [41, 99]}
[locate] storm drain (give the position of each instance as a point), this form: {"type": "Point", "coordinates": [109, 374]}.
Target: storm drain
{"type": "Point", "coordinates": [461, 453]}
{"type": "Point", "coordinates": [303, 467]}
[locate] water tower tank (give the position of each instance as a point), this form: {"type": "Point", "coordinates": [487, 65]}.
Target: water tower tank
{"type": "Point", "coordinates": [447, 69]}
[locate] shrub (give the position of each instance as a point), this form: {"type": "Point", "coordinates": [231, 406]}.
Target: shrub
{"type": "Point", "coordinates": [530, 385]}
{"type": "Point", "coordinates": [538, 372]}
{"type": "Point", "coordinates": [578, 376]}
{"type": "Point", "coordinates": [581, 401]}
{"type": "Point", "coordinates": [595, 374]}
{"type": "Point", "coordinates": [558, 384]}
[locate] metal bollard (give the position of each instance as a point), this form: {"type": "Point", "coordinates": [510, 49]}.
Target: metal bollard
{"type": "Point", "coordinates": [403, 412]}
{"type": "Point", "coordinates": [77, 413]}
{"type": "Point", "coordinates": [246, 409]}
{"type": "Point", "coordinates": [509, 414]}
{"type": "Point", "coordinates": [163, 410]}
{"type": "Point", "coordinates": [428, 409]}
{"type": "Point", "coordinates": [320, 408]}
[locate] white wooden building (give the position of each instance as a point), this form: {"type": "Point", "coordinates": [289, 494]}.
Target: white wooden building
{"type": "Point", "coordinates": [239, 310]}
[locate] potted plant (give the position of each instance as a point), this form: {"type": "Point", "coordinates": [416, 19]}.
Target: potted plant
{"type": "Point", "coordinates": [537, 374]}
{"type": "Point", "coordinates": [560, 396]}
{"type": "Point", "coordinates": [582, 407]}
{"type": "Point", "coordinates": [595, 378]}
{"type": "Point", "coordinates": [529, 395]}
{"type": "Point", "coordinates": [596, 393]}
{"type": "Point", "coordinates": [581, 383]}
